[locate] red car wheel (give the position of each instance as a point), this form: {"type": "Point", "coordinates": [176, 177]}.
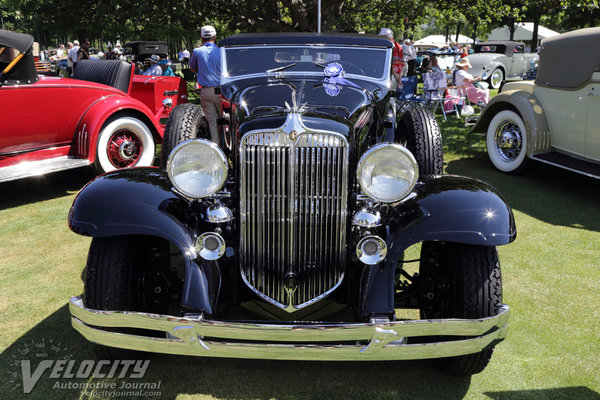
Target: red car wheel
{"type": "Point", "coordinates": [123, 143]}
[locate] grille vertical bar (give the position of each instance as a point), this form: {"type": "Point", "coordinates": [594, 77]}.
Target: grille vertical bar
{"type": "Point", "coordinates": [293, 214]}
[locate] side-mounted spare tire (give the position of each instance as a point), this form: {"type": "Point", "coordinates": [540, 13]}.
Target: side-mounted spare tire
{"type": "Point", "coordinates": [419, 131]}
{"type": "Point", "coordinates": [186, 122]}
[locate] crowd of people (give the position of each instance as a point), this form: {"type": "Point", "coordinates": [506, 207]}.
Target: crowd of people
{"type": "Point", "coordinates": [467, 85]}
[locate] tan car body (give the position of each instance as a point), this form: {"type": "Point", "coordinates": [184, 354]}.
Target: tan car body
{"type": "Point", "coordinates": [560, 115]}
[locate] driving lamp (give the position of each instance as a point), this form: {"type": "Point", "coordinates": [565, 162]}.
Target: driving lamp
{"type": "Point", "coordinates": [387, 172]}
{"type": "Point", "coordinates": [197, 168]}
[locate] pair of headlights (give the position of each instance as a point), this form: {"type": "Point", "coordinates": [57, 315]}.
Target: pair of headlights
{"type": "Point", "coordinates": [387, 172]}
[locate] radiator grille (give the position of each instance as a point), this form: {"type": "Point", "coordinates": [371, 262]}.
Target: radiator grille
{"type": "Point", "coordinates": [293, 215]}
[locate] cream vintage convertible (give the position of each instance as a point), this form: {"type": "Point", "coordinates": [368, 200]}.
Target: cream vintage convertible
{"type": "Point", "coordinates": [554, 119]}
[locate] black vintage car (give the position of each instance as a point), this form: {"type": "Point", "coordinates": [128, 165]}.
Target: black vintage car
{"type": "Point", "coordinates": [287, 239]}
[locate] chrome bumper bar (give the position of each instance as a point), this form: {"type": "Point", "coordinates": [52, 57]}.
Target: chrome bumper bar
{"type": "Point", "coordinates": [377, 341]}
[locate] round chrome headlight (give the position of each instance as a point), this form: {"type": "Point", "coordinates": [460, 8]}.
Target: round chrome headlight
{"type": "Point", "coordinates": [197, 168]}
{"type": "Point", "coordinates": [387, 172]}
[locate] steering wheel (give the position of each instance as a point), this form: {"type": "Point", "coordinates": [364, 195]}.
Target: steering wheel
{"type": "Point", "coordinates": [353, 66]}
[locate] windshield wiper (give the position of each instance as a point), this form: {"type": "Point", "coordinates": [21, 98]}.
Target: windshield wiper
{"type": "Point", "coordinates": [270, 71]}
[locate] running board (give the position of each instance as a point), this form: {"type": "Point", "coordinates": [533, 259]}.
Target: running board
{"type": "Point", "coordinates": [571, 163]}
{"type": "Point", "coordinates": [28, 169]}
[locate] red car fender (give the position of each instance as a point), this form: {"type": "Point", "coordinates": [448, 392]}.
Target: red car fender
{"type": "Point", "coordinates": [94, 118]}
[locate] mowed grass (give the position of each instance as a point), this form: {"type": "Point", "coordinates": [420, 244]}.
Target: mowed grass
{"type": "Point", "coordinates": [551, 281]}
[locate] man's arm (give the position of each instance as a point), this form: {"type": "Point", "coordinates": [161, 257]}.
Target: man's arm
{"type": "Point", "coordinates": [193, 62]}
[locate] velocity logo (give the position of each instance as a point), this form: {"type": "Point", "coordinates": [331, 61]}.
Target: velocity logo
{"type": "Point", "coordinates": [44, 360]}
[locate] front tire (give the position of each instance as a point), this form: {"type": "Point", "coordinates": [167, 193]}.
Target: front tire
{"type": "Point", "coordinates": [186, 122]}
{"type": "Point", "coordinates": [465, 282]}
{"type": "Point", "coordinates": [496, 78]}
{"type": "Point", "coordinates": [419, 130]}
{"type": "Point", "coordinates": [506, 141]}
{"type": "Point", "coordinates": [124, 142]}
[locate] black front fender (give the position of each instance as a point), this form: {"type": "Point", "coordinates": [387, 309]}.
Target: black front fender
{"type": "Point", "coordinates": [139, 201]}
{"type": "Point", "coordinates": [450, 209]}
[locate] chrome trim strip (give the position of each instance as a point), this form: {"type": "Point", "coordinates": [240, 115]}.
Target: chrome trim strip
{"type": "Point", "coordinates": [27, 169]}
{"type": "Point", "coordinates": [188, 336]}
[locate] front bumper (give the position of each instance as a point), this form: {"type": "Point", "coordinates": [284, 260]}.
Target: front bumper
{"type": "Point", "coordinates": [302, 341]}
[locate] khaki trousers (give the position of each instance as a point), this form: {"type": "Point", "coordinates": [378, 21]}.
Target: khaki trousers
{"type": "Point", "coordinates": [213, 109]}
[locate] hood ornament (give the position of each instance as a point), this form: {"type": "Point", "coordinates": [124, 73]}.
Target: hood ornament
{"type": "Point", "coordinates": [334, 79]}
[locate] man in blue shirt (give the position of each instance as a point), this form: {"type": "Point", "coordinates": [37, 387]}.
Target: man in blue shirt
{"type": "Point", "coordinates": [206, 62]}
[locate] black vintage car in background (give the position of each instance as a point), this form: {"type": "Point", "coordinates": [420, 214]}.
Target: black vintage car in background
{"type": "Point", "coordinates": [287, 239]}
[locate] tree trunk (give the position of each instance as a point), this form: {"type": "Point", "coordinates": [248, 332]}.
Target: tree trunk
{"type": "Point", "coordinates": [534, 37]}
{"type": "Point", "coordinates": [475, 26]}
{"type": "Point", "coordinates": [457, 31]}
{"type": "Point", "coordinates": [447, 34]}
{"type": "Point", "coordinates": [511, 30]}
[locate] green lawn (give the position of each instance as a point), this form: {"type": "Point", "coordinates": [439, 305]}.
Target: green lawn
{"type": "Point", "coordinates": [551, 281]}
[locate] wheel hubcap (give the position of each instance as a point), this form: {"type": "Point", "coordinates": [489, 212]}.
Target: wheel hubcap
{"type": "Point", "coordinates": [124, 149]}
{"type": "Point", "coordinates": [508, 140]}
{"type": "Point", "coordinates": [496, 78]}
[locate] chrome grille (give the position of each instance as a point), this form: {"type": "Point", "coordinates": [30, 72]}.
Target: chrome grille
{"type": "Point", "coordinates": [293, 215]}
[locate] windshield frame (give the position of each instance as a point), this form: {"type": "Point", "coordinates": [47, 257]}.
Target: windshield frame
{"type": "Point", "coordinates": [384, 79]}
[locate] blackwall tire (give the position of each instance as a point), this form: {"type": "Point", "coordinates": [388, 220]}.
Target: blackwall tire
{"type": "Point", "coordinates": [124, 142]}
{"type": "Point", "coordinates": [466, 282]}
{"type": "Point", "coordinates": [506, 141]}
{"type": "Point", "coordinates": [496, 78]}
{"type": "Point", "coordinates": [111, 282]}
{"type": "Point", "coordinates": [186, 122]}
{"type": "Point", "coordinates": [420, 131]}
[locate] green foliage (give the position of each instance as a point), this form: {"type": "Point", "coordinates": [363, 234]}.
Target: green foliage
{"type": "Point", "coordinates": [56, 21]}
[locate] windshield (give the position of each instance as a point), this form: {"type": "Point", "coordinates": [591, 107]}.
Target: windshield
{"type": "Point", "coordinates": [368, 62]}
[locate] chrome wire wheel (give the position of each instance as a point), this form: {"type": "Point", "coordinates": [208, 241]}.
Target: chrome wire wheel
{"type": "Point", "coordinates": [507, 141]}
{"type": "Point", "coordinates": [508, 138]}
{"type": "Point", "coordinates": [124, 149]}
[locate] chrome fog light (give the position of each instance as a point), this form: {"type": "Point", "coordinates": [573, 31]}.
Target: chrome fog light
{"type": "Point", "coordinates": [197, 168]}
{"type": "Point", "coordinates": [210, 246]}
{"type": "Point", "coordinates": [371, 250]}
{"type": "Point", "coordinates": [387, 172]}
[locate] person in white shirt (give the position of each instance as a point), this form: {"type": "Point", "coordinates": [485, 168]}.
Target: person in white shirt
{"type": "Point", "coordinates": [69, 60]}
{"type": "Point", "coordinates": [405, 51]}
{"type": "Point", "coordinates": [186, 57]}
{"type": "Point", "coordinates": [72, 55]}
{"type": "Point", "coordinates": [410, 56]}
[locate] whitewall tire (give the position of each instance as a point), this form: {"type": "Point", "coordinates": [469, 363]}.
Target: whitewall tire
{"type": "Point", "coordinates": [507, 142]}
{"type": "Point", "coordinates": [123, 143]}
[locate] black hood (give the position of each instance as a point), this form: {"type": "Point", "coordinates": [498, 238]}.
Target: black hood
{"type": "Point", "coordinates": [259, 98]}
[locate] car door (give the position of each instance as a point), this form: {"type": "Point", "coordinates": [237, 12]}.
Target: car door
{"type": "Point", "coordinates": [566, 113]}
{"type": "Point", "coordinates": [592, 134]}
{"type": "Point", "coordinates": [41, 115]}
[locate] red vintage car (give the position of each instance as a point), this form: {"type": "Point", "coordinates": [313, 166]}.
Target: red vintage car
{"type": "Point", "coordinates": [103, 117]}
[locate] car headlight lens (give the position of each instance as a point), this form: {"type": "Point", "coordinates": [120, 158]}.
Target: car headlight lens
{"type": "Point", "coordinates": [197, 168]}
{"type": "Point", "coordinates": [387, 172]}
